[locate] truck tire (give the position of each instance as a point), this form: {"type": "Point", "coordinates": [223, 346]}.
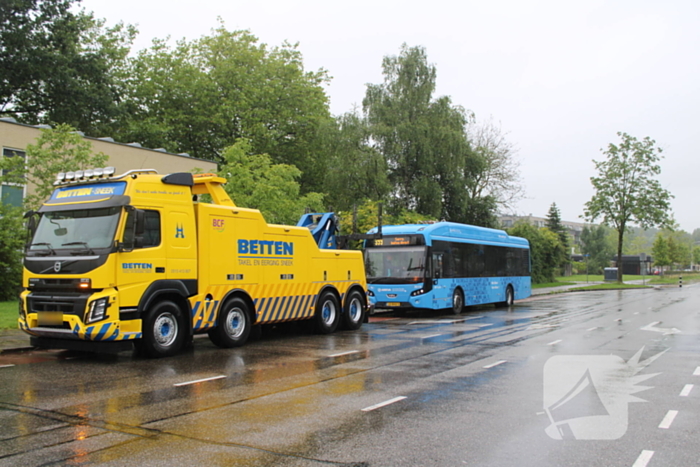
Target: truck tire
{"type": "Point", "coordinates": [327, 314]}
{"type": "Point", "coordinates": [353, 311]}
{"type": "Point", "coordinates": [233, 324]}
{"type": "Point", "coordinates": [163, 331]}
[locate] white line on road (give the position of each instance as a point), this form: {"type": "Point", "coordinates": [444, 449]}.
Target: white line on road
{"type": "Point", "coordinates": [618, 320]}
{"type": "Point", "coordinates": [6, 366]}
{"type": "Point", "coordinates": [668, 419]}
{"type": "Point", "coordinates": [485, 325]}
{"type": "Point", "coordinates": [438, 321]}
{"type": "Point", "coordinates": [200, 380]}
{"type": "Point", "coordinates": [643, 459]}
{"type": "Point", "coordinates": [697, 371]}
{"type": "Point", "coordinates": [431, 336]}
{"type": "Point", "coordinates": [350, 352]}
{"type": "Point", "coordinates": [495, 364]}
{"type": "Point", "coordinates": [686, 390]}
{"type": "Point", "coordinates": [383, 404]}
{"type": "Point", "coordinates": [592, 329]}
{"type": "Point", "coordinates": [554, 342]}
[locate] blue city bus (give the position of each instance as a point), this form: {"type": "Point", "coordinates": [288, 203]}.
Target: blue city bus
{"type": "Point", "coordinates": [445, 265]}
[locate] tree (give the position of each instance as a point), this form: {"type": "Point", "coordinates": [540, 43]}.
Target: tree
{"type": "Point", "coordinates": [356, 172]}
{"type": "Point", "coordinates": [423, 141]}
{"type": "Point", "coordinates": [11, 251]}
{"type": "Point", "coordinates": [626, 191]}
{"type": "Point", "coordinates": [554, 224]}
{"type": "Point", "coordinates": [499, 177]}
{"type": "Point", "coordinates": [56, 150]}
{"type": "Point", "coordinates": [597, 247]}
{"type": "Point", "coordinates": [545, 250]}
{"type": "Point", "coordinates": [65, 67]}
{"type": "Point", "coordinates": [660, 252]}
{"type": "Point", "coordinates": [254, 181]}
{"type": "Point", "coordinates": [201, 96]}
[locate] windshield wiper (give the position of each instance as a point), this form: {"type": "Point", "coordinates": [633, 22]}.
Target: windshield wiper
{"type": "Point", "coordinates": [87, 247]}
{"type": "Point", "coordinates": [50, 250]}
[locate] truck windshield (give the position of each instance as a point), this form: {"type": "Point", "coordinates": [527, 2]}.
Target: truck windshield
{"type": "Point", "coordinates": [78, 229]}
{"type": "Point", "coordinates": [395, 265]}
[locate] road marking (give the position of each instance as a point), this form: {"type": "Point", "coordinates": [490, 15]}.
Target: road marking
{"type": "Point", "coordinates": [495, 364]}
{"type": "Point", "coordinates": [200, 380]}
{"type": "Point", "coordinates": [686, 390]}
{"type": "Point", "coordinates": [643, 459]}
{"type": "Point", "coordinates": [668, 419]}
{"type": "Point", "coordinates": [485, 325]}
{"type": "Point", "coordinates": [592, 329]}
{"type": "Point", "coordinates": [383, 404]}
{"type": "Point", "coordinates": [431, 336]}
{"type": "Point", "coordinates": [697, 371]}
{"type": "Point", "coordinates": [619, 320]}
{"type": "Point", "coordinates": [554, 342]}
{"type": "Point", "coordinates": [665, 331]}
{"type": "Point", "coordinates": [350, 352]}
{"type": "Point", "coordinates": [439, 321]}
{"type": "Point", "coordinates": [6, 366]}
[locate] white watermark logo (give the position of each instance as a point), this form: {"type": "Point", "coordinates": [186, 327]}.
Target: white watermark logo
{"type": "Point", "coordinates": [586, 396]}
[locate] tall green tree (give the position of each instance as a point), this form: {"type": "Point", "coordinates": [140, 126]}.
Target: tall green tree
{"type": "Point", "coordinates": [661, 252]}
{"type": "Point", "coordinates": [255, 181]}
{"type": "Point", "coordinates": [554, 224]}
{"type": "Point", "coordinates": [60, 149]}
{"type": "Point", "coordinates": [423, 140]}
{"type": "Point", "coordinates": [356, 172]}
{"type": "Point", "coordinates": [11, 251]}
{"type": "Point", "coordinates": [598, 247]}
{"type": "Point", "coordinates": [626, 190]}
{"type": "Point", "coordinates": [60, 65]}
{"type": "Point", "coordinates": [201, 96]}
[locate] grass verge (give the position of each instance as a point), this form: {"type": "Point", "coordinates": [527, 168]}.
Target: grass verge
{"type": "Point", "coordinates": [8, 315]}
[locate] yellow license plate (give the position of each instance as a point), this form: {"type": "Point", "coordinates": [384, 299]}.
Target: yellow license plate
{"type": "Point", "coordinates": [49, 318]}
{"type": "Point", "coordinates": [393, 304]}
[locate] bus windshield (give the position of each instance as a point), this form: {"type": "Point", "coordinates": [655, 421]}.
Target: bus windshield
{"type": "Point", "coordinates": [403, 265]}
{"type": "Point", "coordinates": [79, 229]}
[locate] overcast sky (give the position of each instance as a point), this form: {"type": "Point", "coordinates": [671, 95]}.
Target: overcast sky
{"type": "Point", "coordinates": [561, 77]}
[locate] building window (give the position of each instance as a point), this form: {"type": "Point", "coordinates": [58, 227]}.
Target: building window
{"type": "Point", "coordinates": [12, 193]}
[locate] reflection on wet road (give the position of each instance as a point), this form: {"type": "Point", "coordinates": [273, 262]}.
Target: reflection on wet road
{"type": "Point", "coordinates": [421, 388]}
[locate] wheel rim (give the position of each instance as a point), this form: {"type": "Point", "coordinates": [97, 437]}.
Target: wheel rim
{"type": "Point", "coordinates": [328, 312]}
{"type": "Point", "coordinates": [235, 323]}
{"type": "Point", "coordinates": [355, 310]}
{"type": "Point", "coordinates": [165, 329]}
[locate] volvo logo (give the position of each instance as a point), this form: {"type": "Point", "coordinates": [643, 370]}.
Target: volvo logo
{"type": "Point", "coordinates": [57, 266]}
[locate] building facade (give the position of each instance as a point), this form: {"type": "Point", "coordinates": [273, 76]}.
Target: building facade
{"type": "Point", "coordinates": [15, 137]}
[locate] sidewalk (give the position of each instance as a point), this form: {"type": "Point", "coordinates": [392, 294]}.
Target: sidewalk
{"type": "Point", "coordinates": [12, 340]}
{"type": "Point", "coordinates": [562, 288]}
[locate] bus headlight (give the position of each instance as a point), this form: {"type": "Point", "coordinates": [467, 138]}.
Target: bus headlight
{"type": "Point", "coordinates": [415, 293]}
{"type": "Point", "coordinates": [97, 311]}
{"type": "Point", "coordinates": [370, 293]}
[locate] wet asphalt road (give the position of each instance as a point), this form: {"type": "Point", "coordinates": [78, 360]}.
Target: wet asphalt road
{"type": "Point", "coordinates": [422, 389]}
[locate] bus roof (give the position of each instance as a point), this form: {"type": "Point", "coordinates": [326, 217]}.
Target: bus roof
{"type": "Point", "coordinates": [451, 231]}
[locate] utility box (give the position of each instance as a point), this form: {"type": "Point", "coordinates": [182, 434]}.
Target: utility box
{"type": "Point", "coordinates": [610, 274]}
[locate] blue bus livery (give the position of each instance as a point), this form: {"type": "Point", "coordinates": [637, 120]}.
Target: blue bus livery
{"type": "Point", "coordinates": [446, 265]}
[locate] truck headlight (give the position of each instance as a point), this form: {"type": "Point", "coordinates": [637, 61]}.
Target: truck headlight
{"type": "Point", "coordinates": [97, 311]}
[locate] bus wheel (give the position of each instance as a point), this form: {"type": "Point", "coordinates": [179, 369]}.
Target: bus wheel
{"type": "Point", "coordinates": [327, 313]}
{"type": "Point", "coordinates": [353, 311]}
{"type": "Point", "coordinates": [457, 301]}
{"type": "Point", "coordinates": [163, 332]}
{"type": "Point", "coordinates": [509, 297]}
{"type": "Point", "coordinates": [233, 324]}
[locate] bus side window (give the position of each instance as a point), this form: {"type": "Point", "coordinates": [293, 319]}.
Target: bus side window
{"type": "Point", "coordinates": [437, 265]}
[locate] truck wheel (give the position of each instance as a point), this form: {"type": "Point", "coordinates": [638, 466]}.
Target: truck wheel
{"type": "Point", "coordinates": [327, 313]}
{"type": "Point", "coordinates": [457, 301]}
{"type": "Point", "coordinates": [233, 324]}
{"type": "Point", "coordinates": [163, 331]}
{"type": "Point", "coordinates": [353, 312]}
